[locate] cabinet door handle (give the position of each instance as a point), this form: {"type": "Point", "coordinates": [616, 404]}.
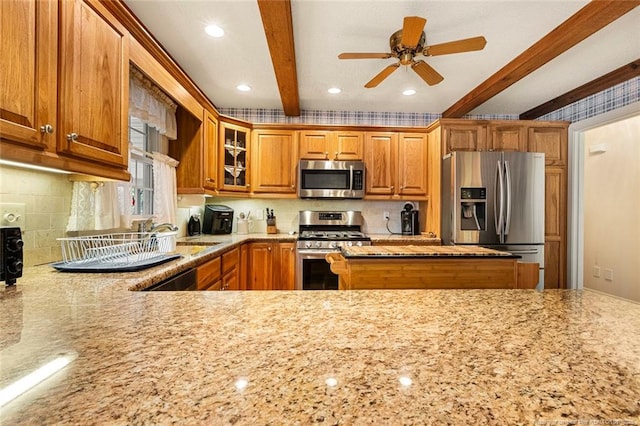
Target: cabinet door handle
{"type": "Point", "coordinates": [47, 128]}
{"type": "Point", "coordinates": [72, 136]}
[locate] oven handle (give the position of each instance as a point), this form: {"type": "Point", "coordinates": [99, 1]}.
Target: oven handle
{"type": "Point", "coordinates": [319, 252]}
{"type": "Point", "coordinates": [351, 178]}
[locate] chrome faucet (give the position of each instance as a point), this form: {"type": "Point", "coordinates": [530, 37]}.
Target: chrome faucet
{"type": "Point", "coordinates": [163, 226]}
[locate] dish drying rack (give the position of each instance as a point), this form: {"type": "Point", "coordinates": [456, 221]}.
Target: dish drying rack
{"type": "Point", "coordinates": [116, 252]}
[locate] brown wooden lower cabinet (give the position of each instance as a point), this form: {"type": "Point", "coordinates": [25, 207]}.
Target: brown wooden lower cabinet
{"type": "Point", "coordinates": [378, 273]}
{"type": "Point", "coordinates": [221, 273]}
{"type": "Point", "coordinates": [271, 266]}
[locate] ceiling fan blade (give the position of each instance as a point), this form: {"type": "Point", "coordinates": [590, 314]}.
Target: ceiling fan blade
{"type": "Point", "coordinates": [427, 73]}
{"type": "Point", "coordinates": [365, 55]}
{"type": "Point", "coordinates": [412, 30]}
{"type": "Point", "coordinates": [382, 75]}
{"type": "Point", "coordinates": [458, 46]}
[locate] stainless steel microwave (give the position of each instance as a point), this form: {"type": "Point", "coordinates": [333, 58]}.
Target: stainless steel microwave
{"type": "Point", "coordinates": [331, 179]}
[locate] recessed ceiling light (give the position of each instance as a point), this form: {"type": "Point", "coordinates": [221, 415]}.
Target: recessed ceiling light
{"type": "Point", "coordinates": [334, 90]}
{"type": "Point", "coordinates": [409, 92]}
{"type": "Point", "coordinates": [243, 87]}
{"type": "Point", "coordinates": [214, 31]}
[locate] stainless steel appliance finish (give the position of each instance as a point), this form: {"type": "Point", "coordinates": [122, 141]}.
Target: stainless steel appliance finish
{"type": "Point", "coordinates": [331, 179]}
{"type": "Point", "coordinates": [496, 200]}
{"type": "Point", "coordinates": [323, 232]}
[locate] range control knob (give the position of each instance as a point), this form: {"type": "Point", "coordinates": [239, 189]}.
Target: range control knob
{"type": "Point", "coordinates": [359, 243]}
{"type": "Point", "coordinates": [15, 244]}
{"type": "Point", "coordinates": [318, 244]}
{"type": "Point", "coordinates": [307, 244]}
{"type": "Point", "coordinates": [349, 243]}
{"type": "Point", "coordinates": [333, 244]}
{"type": "Point", "coordinates": [15, 267]}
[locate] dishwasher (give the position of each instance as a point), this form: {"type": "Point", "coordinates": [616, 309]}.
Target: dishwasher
{"type": "Point", "coordinates": [184, 281]}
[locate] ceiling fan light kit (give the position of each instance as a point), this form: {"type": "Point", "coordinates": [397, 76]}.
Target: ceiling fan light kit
{"type": "Point", "coordinates": [407, 43]}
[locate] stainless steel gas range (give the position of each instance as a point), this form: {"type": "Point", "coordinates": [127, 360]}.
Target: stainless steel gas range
{"type": "Point", "coordinates": [323, 232]}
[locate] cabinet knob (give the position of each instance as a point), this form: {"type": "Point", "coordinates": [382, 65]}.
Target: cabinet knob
{"type": "Point", "coordinates": [269, 248]}
{"type": "Point", "coordinates": [248, 185]}
{"type": "Point", "coordinates": [336, 155]}
{"type": "Point", "coordinates": [393, 187]}
{"type": "Point", "coordinates": [47, 128]}
{"type": "Point", "coordinates": [326, 155]}
{"type": "Point", "coordinates": [72, 136]}
{"type": "Point", "coordinates": [210, 179]}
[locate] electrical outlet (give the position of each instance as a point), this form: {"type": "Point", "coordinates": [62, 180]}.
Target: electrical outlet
{"type": "Point", "coordinates": [596, 271]}
{"type": "Point", "coordinates": [608, 274]}
{"type": "Point", "coordinates": [12, 214]}
{"type": "Point", "coordinates": [385, 215]}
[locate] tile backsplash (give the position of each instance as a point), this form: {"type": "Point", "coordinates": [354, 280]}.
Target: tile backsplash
{"type": "Point", "coordinates": [286, 211]}
{"type": "Point", "coordinates": [47, 200]}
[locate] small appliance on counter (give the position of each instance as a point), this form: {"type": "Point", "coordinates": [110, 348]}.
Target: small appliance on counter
{"type": "Point", "coordinates": [218, 219]}
{"type": "Point", "coordinates": [11, 260]}
{"type": "Point", "coordinates": [193, 227]}
{"type": "Point", "coordinates": [409, 220]}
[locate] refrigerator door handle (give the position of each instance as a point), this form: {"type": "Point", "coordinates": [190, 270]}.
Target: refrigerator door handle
{"type": "Point", "coordinates": [499, 209]}
{"type": "Point", "coordinates": [507, 174]}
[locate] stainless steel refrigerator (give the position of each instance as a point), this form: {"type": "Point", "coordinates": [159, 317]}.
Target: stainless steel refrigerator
{"type": "Point", "coordinates": [495, 199]}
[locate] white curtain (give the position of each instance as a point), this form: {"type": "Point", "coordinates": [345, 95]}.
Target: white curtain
{"type": "Point", "coordinates": [94, 206]}
{"type": "Point", "coordinates": [165, 203]}
{"type": "Point", "coordinates": [150, 104]}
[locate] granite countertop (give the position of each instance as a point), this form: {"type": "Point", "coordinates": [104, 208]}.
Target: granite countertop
{"type": "Point", "coordinates": [408, 239]}
{"type": "Point", "coordinates": [422, 252]}
{"type": "Point", "coordinates": [303, 357]}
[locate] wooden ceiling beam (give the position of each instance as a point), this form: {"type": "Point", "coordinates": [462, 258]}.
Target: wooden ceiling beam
{"type": "Point", "coordinates": [278, 27]}
{"type": "Point", "coordinates": [592, 17]}
{"type": "Point", "coordinates": [620, 75]}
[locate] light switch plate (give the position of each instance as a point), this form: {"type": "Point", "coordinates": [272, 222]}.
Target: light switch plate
{"type": "Point", "coordinates": [12, 214]}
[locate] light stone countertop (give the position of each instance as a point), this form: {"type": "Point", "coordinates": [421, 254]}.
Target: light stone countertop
{"type": "Point", "coordinates": [472, 356]}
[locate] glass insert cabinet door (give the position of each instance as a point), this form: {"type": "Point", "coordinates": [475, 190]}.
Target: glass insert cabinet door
{"type": "Point", "coordinates": [235, 145]}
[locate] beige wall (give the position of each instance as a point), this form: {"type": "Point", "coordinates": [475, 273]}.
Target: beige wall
{"type": "Point", "coordinates": [612, 208]}
{"type": "Point", "coordinates": [47, 199]}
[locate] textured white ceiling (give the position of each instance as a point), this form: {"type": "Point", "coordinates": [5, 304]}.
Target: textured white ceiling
{"type": "Point", "coordinates": [323, 29]}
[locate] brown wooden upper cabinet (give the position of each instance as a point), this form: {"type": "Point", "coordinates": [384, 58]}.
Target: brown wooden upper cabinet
{"type": "Point", "coordinates": [29, 73]}
{"type": "Point", "coordinates": [83, 124]}
{"type": "Point", "coordinates": [94, 84]}
{"type": "Point", "coordinates": [506, 137]}
{"type": "Point", "coordinates": [210, 151]}
{"type": "Point", "coordinates": [331, 145]}
{"type": "Point", "coordinates": [274, 160]}
{"type": "Point", "coordinates": [234, 141]}
{"type": "Point", "coordinates": [461, 136]}
{"type": "Point", "coordinates": [396, 165]}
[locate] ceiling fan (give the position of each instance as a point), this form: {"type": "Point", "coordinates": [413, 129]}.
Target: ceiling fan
{"type": "Point", "coordinates": [408, 43]}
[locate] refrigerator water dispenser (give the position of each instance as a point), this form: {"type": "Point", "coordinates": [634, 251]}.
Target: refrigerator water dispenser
{"type": "Point", "coordinates": [473, 211]}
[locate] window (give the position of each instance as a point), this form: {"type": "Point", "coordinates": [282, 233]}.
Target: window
{"type": "Point", "coordinates": [143, 139]}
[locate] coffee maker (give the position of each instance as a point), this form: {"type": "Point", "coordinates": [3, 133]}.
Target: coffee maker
{"type": "Point", "coordinates": [409, 220]}
{"type": "Point", "coordinates": [218, 219]}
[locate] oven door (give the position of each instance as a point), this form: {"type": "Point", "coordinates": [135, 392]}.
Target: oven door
{"type": "Point", "coordinates": [313, 271]}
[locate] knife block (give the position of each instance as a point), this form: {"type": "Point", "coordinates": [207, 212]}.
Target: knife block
{"type": "Point", "coordinates": [271, 226]}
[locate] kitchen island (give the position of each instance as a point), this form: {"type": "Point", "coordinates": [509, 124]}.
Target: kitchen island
{"type": "Point", "coordinates": [304, 357]}
{"type": "Point", "coordinates": [429, 267]}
